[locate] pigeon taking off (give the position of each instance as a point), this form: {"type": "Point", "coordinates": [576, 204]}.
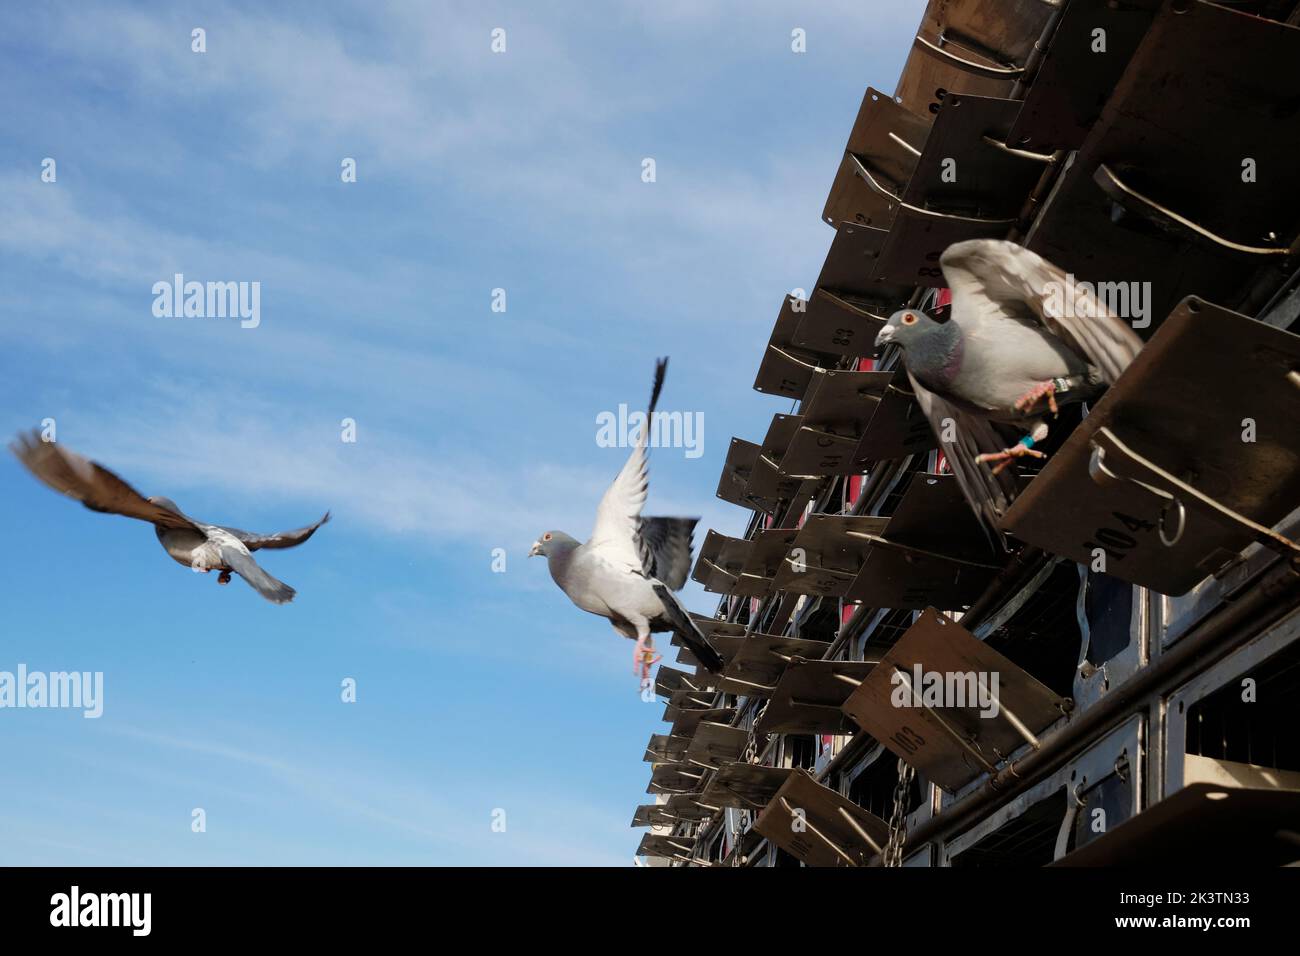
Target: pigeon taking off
{"type": "Point", "coordinates": [1022, 340]}
{"type": "Point", "coordinates": [629, 569]}
{"type": "Point", "coordinates": [203, 547]}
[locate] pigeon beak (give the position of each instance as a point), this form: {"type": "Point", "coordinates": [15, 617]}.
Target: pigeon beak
{"type": "Point", "coordinates": [885, 335]}
{"type": "Point", "coordinates": [536, 550]}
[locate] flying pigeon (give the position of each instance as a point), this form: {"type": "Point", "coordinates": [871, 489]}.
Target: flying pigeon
{"type": "Point", "coordinates": [203, 547]}
{"type": "Point", "coordinates": [628, 570]}
{"type": "Point", "coordinates": [1022, 341]}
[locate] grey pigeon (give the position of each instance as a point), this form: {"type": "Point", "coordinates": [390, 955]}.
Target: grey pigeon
{"type": "Point", "coordinates": [203, 547]}
{"type": "Point", "coordinates": [1022, 340]}
{"type": "Point", "coordinates": [628, 570]}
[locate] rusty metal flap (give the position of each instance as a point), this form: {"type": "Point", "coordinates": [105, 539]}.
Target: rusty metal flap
{"type": "Point", "coordinates": [818, 452]}
{"type": "Point", "coordinates": [665, 748]}
{"type": "Point", "coordinates": [1208, 87]}
{"type": "Point", "coordinates": [808, 698]}
{"type": "Point", "coordinates": [733, 484]}
{"type": "Point", "coordinates": [933, 552]}
{"type": "Point", "coordinates": [962, 172]}
{"type": "Point", "coordinates": [919, 237]}
{"type": "Point", "coordinates": [843, 398]}
{"type": "Point", "coordinates": [1002, 706]}
{"type": "Point", "coordinates": [934, 515]}
{"type": "Point", "coordinates": [727, 648]}
{"type": "Point", "coordinates": [758, 665]}
{"type": "Point", "coordinates": [733, 565]}
{"type": "Point", "coordinates": [675, 778]}
{"type": "Point", "coordinates": [743, 786]}
{"type": "Point", "coordinates": [886, 139]}
{"type": "Point", "coordinates": [818, 826]}
{"type": "Point", "coordinates": [725, 637]}
{"type": "Point", "coordinates": [1075, 79]}
{"type": "Point", "coordinates": [712, 628]}
{"type": "Point", "coordinates": [1009, 28]}
{"type": "Point", "coordinates": [678, 808]}
{"type": "Point", "coordinates": [767, 480]}
{"type": "Point", "coordinates": [1246, 826]}
{"type": "Point", "coordinates": [720, 562]}
{"type": "Point", "coordinates": [715, 744]}
{"type": "Point", "coordinates": [906, 578]}
{"type": "Point", "coordinates": [667, 847]}
{"type": "Point", "coordinates": [850, 266]}
{"type": "Point", "coordinates": [826, 556]}
{"type": "Point", "coordinates": [839, 324]}
{"type": "Point", "coordinates": [682, 702]}
{"type": "Point", "coordinates": [685, 721]}
{"type": "Point", "coordinates": [833, 417]}
{"type": "Point", "coordinates": [1158, 409]}
{"type": "Point", "coordinates": [1204, 92]}
{"type": "Point", "coordinates": [786, 369]}
{"type": "Point", "coordinates": [976, 47]}
{"type": "Point", "coordinates": [670, 680]}
{"type": "Point", "coordinates": [768, 553]}
{"type": "Point", "coordinates": [897, 428]}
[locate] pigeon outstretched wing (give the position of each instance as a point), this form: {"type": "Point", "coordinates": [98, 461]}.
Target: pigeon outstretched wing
{"type": "Point", "coordinates": [665, 546]}
{"type": "Point", "coordinates": [995, 273]}
{"type": "Point", "coordinates": [618, 517]}
{"type": "Point", "coordinates": [281, 539]}
{"type": "Point", "coordinates": [92, 484]}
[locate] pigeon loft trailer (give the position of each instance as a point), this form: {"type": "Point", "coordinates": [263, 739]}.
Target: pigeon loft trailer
{"type": "Point", "coordinates": [1126, 609]}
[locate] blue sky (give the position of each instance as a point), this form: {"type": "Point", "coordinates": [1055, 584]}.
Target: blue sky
{"type": "Point", "coordinates": [476, 429]}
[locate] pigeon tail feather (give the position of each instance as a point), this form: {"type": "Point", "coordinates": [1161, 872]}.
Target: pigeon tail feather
{"type": "Point", "coordinates": [685, 628]}
{"type": "Point", "coordinates": [242, 563]}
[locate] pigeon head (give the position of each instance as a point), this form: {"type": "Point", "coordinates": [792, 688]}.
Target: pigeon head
{"type": "Point", "coordinates": [905, 328]}
{"type": "Point", "coordinates": [552, 542]}
{"type": "Point", "coordinates": [165, 503]}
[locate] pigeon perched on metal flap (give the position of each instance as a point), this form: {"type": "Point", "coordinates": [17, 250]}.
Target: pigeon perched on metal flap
{"type": "Point", "coordinates": [1022, 341]}
{"type": "Point", "coordinates": [627, 571]}
{"type": "Point", "coordinates": [201, 546]}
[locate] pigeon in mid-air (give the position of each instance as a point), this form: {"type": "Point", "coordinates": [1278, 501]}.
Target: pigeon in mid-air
{"type": "Point", "coordinates": [628, 571]}
{"type": "Point", "coordinates": [1022, 340]}
{"type": "Point", "coordinates": [203, 547]}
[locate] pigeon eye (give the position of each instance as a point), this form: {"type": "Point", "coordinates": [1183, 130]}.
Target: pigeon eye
{"type": "Point", "coordinates": [547, 536]}
{"type": "Point", "coordinates": [909, 319]}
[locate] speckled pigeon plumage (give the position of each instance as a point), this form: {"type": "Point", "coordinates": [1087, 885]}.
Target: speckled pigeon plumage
{"type": "Point", "coordinates": [196, 544]}
{"type": "Point", "coordinates": [627, 571]}
{"type": "Point", "coordinates": [1021, 341]}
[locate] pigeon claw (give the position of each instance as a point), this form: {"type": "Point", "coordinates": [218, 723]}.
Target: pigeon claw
{"type": "Point", "coordinates": [643, 658]}
{"type": "Point", "coordinates": [1007, 455]}
{"type": "Point", "coordinates": [1036, 394]}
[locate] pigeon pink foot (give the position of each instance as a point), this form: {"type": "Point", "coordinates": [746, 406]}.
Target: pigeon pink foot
{"type": "Point", "coordinates": [1040, 391]}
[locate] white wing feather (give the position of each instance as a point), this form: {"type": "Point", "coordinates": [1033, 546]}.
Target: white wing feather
{"type": "Point", "coordinates": [618, 518]}
{"type": "Point", "coordinates": [995, 273]}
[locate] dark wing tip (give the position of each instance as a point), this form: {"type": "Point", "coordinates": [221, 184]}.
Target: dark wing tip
{"type": "Point", "coordinates": [661, 369]}
{"type": "Point", "coordinates": [24, 443]}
